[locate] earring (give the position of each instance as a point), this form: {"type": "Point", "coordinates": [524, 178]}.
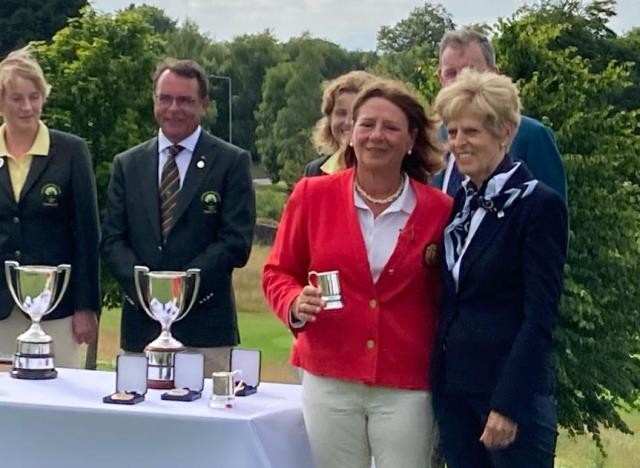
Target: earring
{"type": "Point", "coordinates": [351, 144]}
{"type": "Point", "coordinates": [410, 151]}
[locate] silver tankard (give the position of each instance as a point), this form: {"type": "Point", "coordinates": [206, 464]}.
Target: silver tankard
{"type": "Point", "coordinates": [36, 290]}
{"type": "Point", "coordinates": [167, 297]}
{"type": "Point", "coordinates": [329, 284]}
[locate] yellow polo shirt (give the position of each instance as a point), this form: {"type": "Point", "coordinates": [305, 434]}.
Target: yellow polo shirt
{"type": "Point", "coordinates": [334, 164]}
{"type": "Point", "coordinates": [19, 166]}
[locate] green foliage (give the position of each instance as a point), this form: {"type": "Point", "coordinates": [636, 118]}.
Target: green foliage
{"type": "Point", "coordinates": [100, 69]}
{"type": "Point", "coordinates": [155, 17]}
{"type": "Point", "coordinates": [597, 343]}
{"type": "Point", "coordinates": [23, 21]}
{"type": "Point", "coordinates": [270, 200]}
{"type": "Point", "coordinates": [289, 109]}
{"type": "Point", "coordinates": [424, 27]}
{"type": "Point", "coordinates": [249, 57]}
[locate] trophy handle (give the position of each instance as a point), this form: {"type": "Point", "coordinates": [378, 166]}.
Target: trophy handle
{"type": "Point", "coordinates": [64, 269]}
{"type": "Point", "coordinates": [195, 274]}
{"type": "Point", "coordinates": [9, 266]}
{"type": "Point", "coordinates": [138, 272]}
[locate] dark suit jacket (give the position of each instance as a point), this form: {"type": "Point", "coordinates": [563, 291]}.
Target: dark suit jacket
{"type": "Point", "coordinates": [313, 168]}
{"type": "Point", "coordinates": [495, 331]}
{"type": "Point", "coordinates": [59, 225]}
{"type": "Point", "coordinates": [215, 238]}
{"type": "Point", "coordinates": [535, 145]}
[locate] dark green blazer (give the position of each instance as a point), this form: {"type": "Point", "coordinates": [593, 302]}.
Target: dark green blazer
{"type": "Point", "coordinates": [55, 221]}
{"type": "Point", "coordinates": [213, 237]}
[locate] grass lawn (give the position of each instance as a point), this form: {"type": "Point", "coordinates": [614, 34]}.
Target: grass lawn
{"type": "Point", "coordinates": [260, 329]}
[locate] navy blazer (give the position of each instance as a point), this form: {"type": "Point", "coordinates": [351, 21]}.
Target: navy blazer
{"type": "Point", "coordinates": [533, 144]}
{"type": "Point", "coordinates": [495, 331]}
{"type": "Point", "coordinates": [213, 231]}
{"type": "Point", "coordinates": [312, 169]}
{"type": "Point", "coordinates": [55, 221]}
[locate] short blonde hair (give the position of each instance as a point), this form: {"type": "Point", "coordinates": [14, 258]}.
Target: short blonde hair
{"type": "Point", "coordinates": [351, 82]}
{"type": "Point", "coordinates": [492, 97]}
{"type": "Point", "coordinates": [20, 63]}
{"type": "Point", "coordinates": [427, 155]}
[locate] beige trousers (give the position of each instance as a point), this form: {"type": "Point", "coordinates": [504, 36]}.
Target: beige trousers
{"type": "Point", "coordinates": [68, 353]}
{"type": "Point", "coordinates": [348, 423]}
{"type": "Point", "coordinates": [215, 359]}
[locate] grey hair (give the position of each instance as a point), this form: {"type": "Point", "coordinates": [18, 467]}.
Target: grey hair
{"type": "Point", "coordinates": [463, 37]}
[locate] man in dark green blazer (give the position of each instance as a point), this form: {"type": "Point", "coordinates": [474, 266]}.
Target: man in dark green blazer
{"type": "Point", "coordinates": [210, 222]}
{"type": "Point", "coordinates": [534, 143]}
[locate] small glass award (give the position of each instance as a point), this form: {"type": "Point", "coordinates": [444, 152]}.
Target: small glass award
{"type": "Point", "coordinates": [131, 380]}
{"type": "Point", "coordinates": [189, 378]}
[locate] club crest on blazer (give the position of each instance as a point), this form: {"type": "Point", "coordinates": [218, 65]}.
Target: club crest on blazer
{"type": "Point", "coordinates": [51, 194]}
{"type": "Point", "coordinates": [210, 201]}
{"type": "Point", "coordinates": [430, 255]}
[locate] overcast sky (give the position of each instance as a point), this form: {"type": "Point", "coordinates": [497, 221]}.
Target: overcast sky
{"type": "Point", "coordinates": [351, 23]}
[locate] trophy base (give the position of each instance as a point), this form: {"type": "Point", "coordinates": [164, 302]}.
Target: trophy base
{"type": "Point", "coordinates": [34, 374]}
{"type": "Point", "coordinates": [160, 371]}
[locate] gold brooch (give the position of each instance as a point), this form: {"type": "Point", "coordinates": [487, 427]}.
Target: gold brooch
{"type": "Point", "coordinates": [430, 255]}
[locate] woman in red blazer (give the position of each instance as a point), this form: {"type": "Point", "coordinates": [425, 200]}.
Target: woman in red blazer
{"type": "Point", "coordinates": [366, 363]}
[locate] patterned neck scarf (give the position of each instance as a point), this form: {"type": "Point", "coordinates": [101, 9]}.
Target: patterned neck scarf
{"type": "Point", "coordinates": [493, 197]}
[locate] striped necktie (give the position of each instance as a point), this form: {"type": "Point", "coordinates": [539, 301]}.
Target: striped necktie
{"type": "Point", "coordinates": [169, 188]}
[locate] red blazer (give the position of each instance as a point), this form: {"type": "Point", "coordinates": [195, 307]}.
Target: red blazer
{"type": "Point", "coordinates": [384, 334]}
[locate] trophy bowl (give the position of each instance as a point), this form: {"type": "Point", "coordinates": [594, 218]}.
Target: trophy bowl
{"type": "Point", "coordinates": [167, 297]}
{"type": "Point", "coordinates": [36, 290]}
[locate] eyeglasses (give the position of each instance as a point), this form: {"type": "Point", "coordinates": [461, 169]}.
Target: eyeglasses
{"type": "Point", "coordinates": [165, 100]}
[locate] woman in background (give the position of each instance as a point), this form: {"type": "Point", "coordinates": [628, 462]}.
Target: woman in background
{"type": "Point", "coordinates": [333, 130]}
{"type": "Point", "coordinates": [48, 211]}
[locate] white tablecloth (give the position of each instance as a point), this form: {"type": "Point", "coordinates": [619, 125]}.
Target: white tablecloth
{"type": "Point", "coordinates": [63, 423]}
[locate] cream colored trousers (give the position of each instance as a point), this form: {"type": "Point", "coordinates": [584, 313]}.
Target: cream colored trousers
{"type": "Point", "coordinates": [348, 423]}
{"type": "Point", "coordinates": [68, 353]}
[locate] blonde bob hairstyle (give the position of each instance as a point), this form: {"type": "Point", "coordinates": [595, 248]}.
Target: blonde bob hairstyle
{"type": "Point", "coordinates": [20, 63]}
{"type": "Point", "coordinates": [351, 82]}
{"type": "Point", "coordinates": [491, 97]}
{"type": "Point", "coordinates": [426, 156]}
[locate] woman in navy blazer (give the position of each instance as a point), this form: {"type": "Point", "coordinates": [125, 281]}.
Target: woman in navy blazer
{"type": "Point", "coordinates": [504, 254]}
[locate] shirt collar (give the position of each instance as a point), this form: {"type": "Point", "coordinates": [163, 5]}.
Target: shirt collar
{"type": "Point", "coordinates": [188, 143]}
{"type": "Point", "coordinates": [333, 164]}
{"type": "Point", "coordinates": [406, 202]}
{"type": "Point", "coordinates": [39, 147]}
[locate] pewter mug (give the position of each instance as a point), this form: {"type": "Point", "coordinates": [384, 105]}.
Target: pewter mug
{"type": "Point", "coordinates": [36, 290]}
{"type": "Point", "coordinates": [223, 389]}
{"type": "Point", "coordinates": [329, 284]}
{"type": "Point", "coordinates": [167, 297]}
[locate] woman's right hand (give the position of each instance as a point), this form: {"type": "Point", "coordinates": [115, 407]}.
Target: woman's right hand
{"type": "Point", "coordinates": [308, 304]}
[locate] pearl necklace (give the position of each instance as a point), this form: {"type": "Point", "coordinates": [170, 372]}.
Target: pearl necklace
{"type": "Point", "coordinates": [380, 201]}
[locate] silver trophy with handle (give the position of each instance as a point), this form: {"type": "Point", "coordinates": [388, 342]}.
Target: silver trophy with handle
{"type": "Point", "coordinates": [36, 290]}
{"type": "Point", "coordinates": [167, 297]}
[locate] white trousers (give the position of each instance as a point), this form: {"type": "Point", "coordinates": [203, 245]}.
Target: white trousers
{"type": "Point", "coordinates": [68, 353]}
{"type": "Point", "coordinates": [348, 423]}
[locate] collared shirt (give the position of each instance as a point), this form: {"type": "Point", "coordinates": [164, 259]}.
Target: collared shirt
{"type": "Point", "coordinates": [334, 164]}
{"type": "Point", "coordinates": [381, 233]}
{"type": "Point", "coordinates": [183, 158]}
{"type": "Point", "coordinates": [19, 165]}
{"type": "Point", "coordinates": [494, 186]}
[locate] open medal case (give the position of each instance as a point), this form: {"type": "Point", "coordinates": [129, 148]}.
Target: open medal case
{"type": "Point", "coordinates": [131, 380]}
{"type": "Point", "coordinates": [188, 378]}
{"type": "Point", "coordinates": [247, 361]}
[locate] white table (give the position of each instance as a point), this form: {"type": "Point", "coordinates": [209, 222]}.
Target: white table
{"type": "Point", "coordinates": [63, 423]}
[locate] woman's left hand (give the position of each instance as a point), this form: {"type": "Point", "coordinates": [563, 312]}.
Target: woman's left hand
{"type": "Point", "coordinates": [499, 431]}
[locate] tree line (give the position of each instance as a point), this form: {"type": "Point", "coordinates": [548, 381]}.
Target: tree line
{"type": "Point", "coordinates": [573, 71]}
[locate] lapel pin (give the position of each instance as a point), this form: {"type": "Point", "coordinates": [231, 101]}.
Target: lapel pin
{"type": "Point", "coordinates": [500, 214]}
{"type": "Point", "coordinates": [200, 163]}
